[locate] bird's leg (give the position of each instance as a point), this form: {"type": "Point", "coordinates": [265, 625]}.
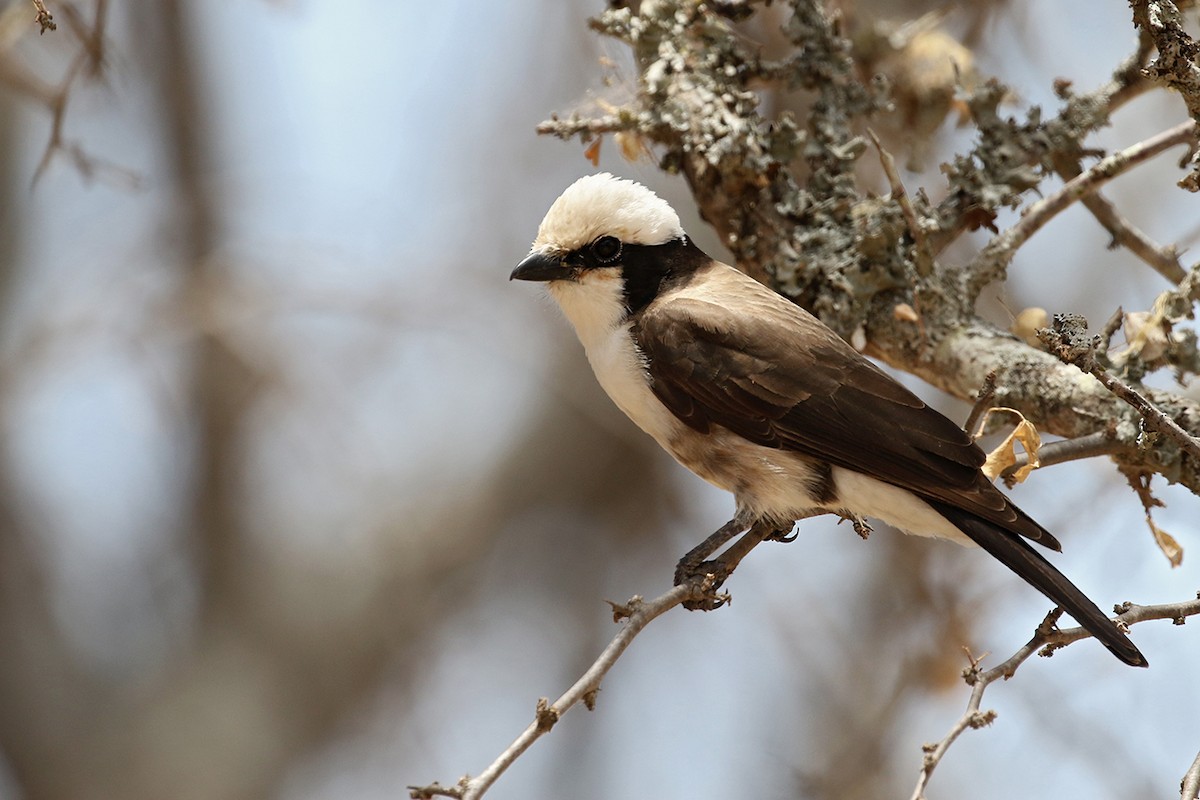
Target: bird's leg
{"type": "Point", "coordinates": [706, 577]}
{"type": "Point", "coordinates": [686, 568]}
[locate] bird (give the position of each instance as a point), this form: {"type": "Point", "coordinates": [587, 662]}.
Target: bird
{"type": "Point", "coordinates": [760, 398]}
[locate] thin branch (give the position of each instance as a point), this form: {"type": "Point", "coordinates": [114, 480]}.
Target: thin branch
{"type": "Point", "coordinates": [922, 255]}
{"type": "Point", "coordinates": [1001, 249]}
{"type": "Point", "coordinates": [1152, 417]}
{"type": "Point", "coordinates": [1046, 639]}
{"type": "Point", "coordinates": [637, 614]}
{"type": "Point", "coordinates": [696, 591]}
{"type": "Point", "coordinates": [44, 18]}
{"type": "Point", "coordinates": [1100, 443]}
{"type": "Point", "coordinates": [1068, 340]}
{"type": "Point", "coordinates": [1164, 259]}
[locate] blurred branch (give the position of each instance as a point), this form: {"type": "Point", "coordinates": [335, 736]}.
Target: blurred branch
{"type": "Point", "coordinates": [44, 18]}
{"type": "Point", "coordinates": [88, 62]}
{"type": "Point", "coordinates": [1047, 639]}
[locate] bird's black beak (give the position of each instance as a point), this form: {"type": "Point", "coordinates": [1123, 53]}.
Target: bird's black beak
{"type": "Point", "coordinates": [542, 267]}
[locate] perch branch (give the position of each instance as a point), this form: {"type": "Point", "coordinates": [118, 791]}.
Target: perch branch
{"type": "Point", "coordinates": [698, 591]}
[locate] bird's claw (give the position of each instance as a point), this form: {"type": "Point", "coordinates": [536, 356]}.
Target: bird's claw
{"type": "Point", "coordinates": [784, 535]}
{"type": "Point", "coordinates": [703, 580]}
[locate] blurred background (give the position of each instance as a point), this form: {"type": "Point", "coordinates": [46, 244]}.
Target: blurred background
{"type": "Point", "coordinates": [300, 498]}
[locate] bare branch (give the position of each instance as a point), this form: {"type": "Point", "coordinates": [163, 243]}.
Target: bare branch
{"type": "Point", "coordinates": [637, 614]}
{"type": "Point", "coordinates": [999, 252]}
{"type": "Point", "coordinates": [1047, 639]}
{"type": "Point", "coordinates": [922, 256]}
{"type": "Point", "coordinates": [1165, 260]}
{"type": "Point", "coordinates": [1100, 443]}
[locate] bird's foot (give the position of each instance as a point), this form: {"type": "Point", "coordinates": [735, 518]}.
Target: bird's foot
{"type": "Point", "coordinates": [784, 535]}
{"type": "Point", "coordinates": [690, 564]}
{"type": "Point", "coordinates": [703, 577]}
{"type": "Point", "coordinates": [703, 580]}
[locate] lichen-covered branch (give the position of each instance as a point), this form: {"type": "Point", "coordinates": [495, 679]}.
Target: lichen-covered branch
{"type": "Point", "coordinates": [785, 194]}
{"type": "Point", "coordinates": [990, 264]}
{"type": "Point", "coordinates": [1178, 62]}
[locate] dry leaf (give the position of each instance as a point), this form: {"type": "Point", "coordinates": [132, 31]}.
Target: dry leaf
{"type": "Point", "coordinates": [592, 153]}
{"type": "Point", "coordinates": [1005, 455]}
{"type": "Point", "coordinates": [1146, 334]}
{"type": "Point", "coordinates": [1026, 324]}
{"type": "Point", "coordinates": [1167, 543]}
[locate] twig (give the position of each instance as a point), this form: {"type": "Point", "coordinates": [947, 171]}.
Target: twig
{"type": "Point", "coordinates": [1190, 787]}
{"type": "Point", "coordinates": [1047, 639]}
{"type": "Point", "coordinates": [44, 17]}
{"type": "Point", "coordinates": [1153, 418]}
{"type": "Point", "coordinates": [983, 398]}
{"type": "Point", "coordinates": [637, 614]}
{"type": "Point", "coordinates": [1164, 259]}
{"type": "Point", "coordinates": [922, 255]}
{"type": "Point", "coordinates": [1001, 249]}
{"type": "Point", "coordinates": [1100, 443]}
{"type": "Point", "coordinates": [1069, 341]}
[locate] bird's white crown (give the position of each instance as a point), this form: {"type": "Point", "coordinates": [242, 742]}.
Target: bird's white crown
{"type": "Point", "coordinates": [604, 205]}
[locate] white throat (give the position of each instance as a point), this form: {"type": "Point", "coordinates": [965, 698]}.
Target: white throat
{"type": "Point", "coordinates": [595, 307]}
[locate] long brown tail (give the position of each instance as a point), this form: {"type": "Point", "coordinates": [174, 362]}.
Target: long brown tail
{"type": "Point", "coordinates": [1017, 555]}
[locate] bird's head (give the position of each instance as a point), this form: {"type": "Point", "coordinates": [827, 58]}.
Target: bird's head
{"type": "Point", "coordinates": [604, 249]}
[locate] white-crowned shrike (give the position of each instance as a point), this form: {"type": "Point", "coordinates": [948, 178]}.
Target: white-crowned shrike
{"type": "Point", "coordinates": [758, 397]}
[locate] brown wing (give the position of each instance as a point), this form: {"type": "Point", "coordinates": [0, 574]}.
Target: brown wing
{"type": "Point", "coordinates": [781, 378]}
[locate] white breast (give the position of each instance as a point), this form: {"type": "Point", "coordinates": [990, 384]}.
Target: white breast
{"type": "Point", "coordinates": [596, 308]}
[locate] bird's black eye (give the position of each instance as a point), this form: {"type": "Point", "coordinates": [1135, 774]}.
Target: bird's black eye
{"type": "Point", "coordinates": [606, 249]}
